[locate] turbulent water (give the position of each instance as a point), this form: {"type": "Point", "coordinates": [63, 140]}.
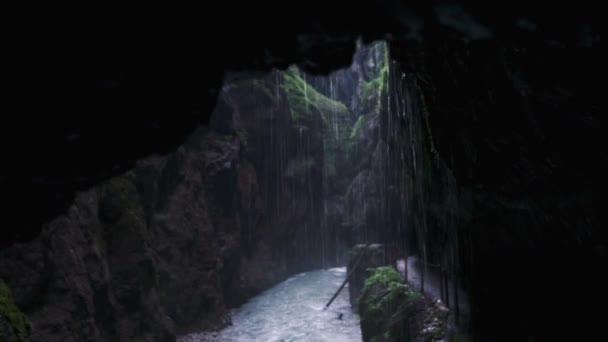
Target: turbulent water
{"type": "Point", "coordinates": [293, 311]}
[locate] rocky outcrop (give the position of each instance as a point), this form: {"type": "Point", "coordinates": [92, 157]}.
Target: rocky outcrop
{"type": "Point", "coordinates": [365, 196]}
{"type": "Point", "coordinates": [391, 310]}
{"type": "Point", "coordinates": [169, 246]}
{"type": "Point", "coordinates": [365, 202]}
{"type": "Point", "coordinates": [145, 255]}
{"type": "Point", "coordinates": [362, 259]}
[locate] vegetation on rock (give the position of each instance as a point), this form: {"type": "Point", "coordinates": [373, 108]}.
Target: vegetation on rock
{"type": "Point", "coordinates": [355, 133]}
{"type": "Point", "coordinates": [392, 311]}
{"type": "Point", "coordinates": [9, 312]}
{"type": "Point", "coordinates": [305, 101]}
{"type": "Point", "coordinates": [373, 90]}
{"type": "Point", "coordinates": [389, 279]}
{"type": "Point", "coordinates": [307, 105]}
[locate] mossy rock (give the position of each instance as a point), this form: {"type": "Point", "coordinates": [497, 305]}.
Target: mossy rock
{"type": "Point", "coordinates": [372, 256]}
{"type": "Point", "coordinates": [14, 325]}
{"type": "Point", "coordinates": [391, 310]}
{"type": "Point", "coordinates": [373, 91]}
{"type": "Point", "coordinates": [310, 109]}
{"type": "Point", "coordinates": [392, 287]}
{"type": "Point", "coordinates": [387, 306]}
{"type": "Point", "coordinates": [355, 133]}
{"type": "Point", "coordinates": [372, 250]}
{"type": "Point", "coordinates": [305, 101]}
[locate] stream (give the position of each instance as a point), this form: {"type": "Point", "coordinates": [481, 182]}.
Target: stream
{"type": "Point", "coordinates": [293, 311]}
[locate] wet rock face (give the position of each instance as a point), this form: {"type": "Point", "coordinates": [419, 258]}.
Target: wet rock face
{"type": "Point", "coordinates": [365, 200]}
{"type": "Point", "coordinates": [168, 247]}
{"type": "Point", "coordinates": [392, 311]}
{"type": "Point", "coordinates": [145, 255]}
{"type": "Point", "coordinates": [510, 132]}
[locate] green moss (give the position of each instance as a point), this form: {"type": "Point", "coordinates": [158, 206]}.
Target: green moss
{"type": "Point", "coordinates": [355, 133]}
{"type": "Point", "coordinates": [391, 285]}
{"type": "Point", "coordinates": [384, 276]}
{"type": "Point", "coordinates": [305, 101]}
{"type": "Point", "coordinates": [307, 106]}
{"type": "Point", "coordinates": [373, 250]}
{"type": "Point", "coordinates": [383, 299]}
{"type": "Point", "coordinates": [373, 91]}
{"type": "Point", "coordinates": [19, 323]}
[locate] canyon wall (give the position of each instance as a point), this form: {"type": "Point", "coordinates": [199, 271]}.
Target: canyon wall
{"type": "Point", "coordinates": [169, 246]}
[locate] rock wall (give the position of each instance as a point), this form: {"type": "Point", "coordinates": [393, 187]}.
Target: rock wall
{"type": "Point", "coordinates": [163, 249]}
{"type": "Point", "coordinates": [169, 246]}
{"type": "Point", "coordinates": [497, 188]}
{"type": "Point", "coordinates": [145, 255]}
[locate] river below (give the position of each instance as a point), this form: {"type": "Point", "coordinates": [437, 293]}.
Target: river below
{"type": "Point", "coordinates": [292, 311]}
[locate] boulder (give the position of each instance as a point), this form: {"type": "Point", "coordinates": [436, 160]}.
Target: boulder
{"type": "Point", "coordinates": [391, 310]}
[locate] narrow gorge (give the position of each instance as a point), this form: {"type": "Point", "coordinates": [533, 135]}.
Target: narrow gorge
{"type": "Point", "coordinates": [403, 172]}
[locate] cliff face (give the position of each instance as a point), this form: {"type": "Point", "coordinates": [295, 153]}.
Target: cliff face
{"type": "Point", "coordinates": [169, 246]}
{"type": "Point", "coordinates": [160, 250]}
{"type": "Point", "coordinates": [144, 255]}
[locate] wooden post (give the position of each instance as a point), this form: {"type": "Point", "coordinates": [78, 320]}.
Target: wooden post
{"type": "Point", "coordinates": [405, 266]}
{"type": "Point", "coordinates": [442, 296]}
{"type": "Point", "coordinates": [455, 286]}
{"type": "Point", "coordinates": [447, 288]}
{"type": "Point", "coordinates": [352, 271]}
{"type": "Point", "coordinates": [423, 271]}
{"type": "Point", "coordinates": [422, 277]}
